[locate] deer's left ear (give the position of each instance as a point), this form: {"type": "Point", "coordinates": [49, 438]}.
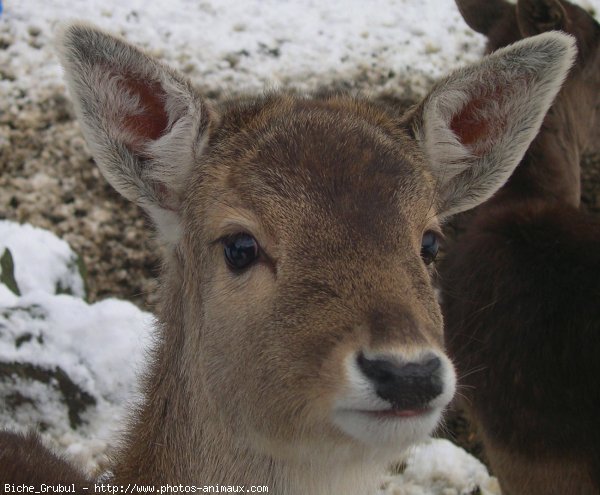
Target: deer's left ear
{"type": "Point", "coordinates": [144, 123]}
{"type": "Point", "coordinates": [475, 126]}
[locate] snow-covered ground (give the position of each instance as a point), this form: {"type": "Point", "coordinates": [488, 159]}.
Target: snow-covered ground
{"type": "Point", "coordinates": [228, 45]}
{"type": "Point", "coordinates": [74, 364]}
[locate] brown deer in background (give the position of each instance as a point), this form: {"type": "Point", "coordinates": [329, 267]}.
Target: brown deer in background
{"type": "Point", "coordinates": [521, 294]}
{"type": "Point", "coordinates": [300, 343]}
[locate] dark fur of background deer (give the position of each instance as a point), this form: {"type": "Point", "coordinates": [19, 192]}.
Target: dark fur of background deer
{"type": "Point", "coordinates": [522, 285]}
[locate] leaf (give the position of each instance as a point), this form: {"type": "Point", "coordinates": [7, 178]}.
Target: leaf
{"type": "Point", "coordinates": [7, 272]}
{"type": "Point", "coordinates": [82, 269]}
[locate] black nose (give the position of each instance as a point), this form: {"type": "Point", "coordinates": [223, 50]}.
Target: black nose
{"type": "Point", "coordinates": [410, 385]}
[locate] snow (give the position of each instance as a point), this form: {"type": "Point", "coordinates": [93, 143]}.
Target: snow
{"type": "Point", "coordinates": [100, 347]}
{"type": "Point", "coordinates": [225, 46]}
{"type": "Point", "coordinates": [233, 46]}
{"type": "Point", "coordinates": [45, 269]}
{"type": "Point", "coordinates": [438, 467]}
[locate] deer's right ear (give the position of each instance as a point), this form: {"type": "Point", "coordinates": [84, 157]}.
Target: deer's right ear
{"type": "Point", "coordinates": [475, 126]}
{"type": "Point", "coordinates": [144, 123]}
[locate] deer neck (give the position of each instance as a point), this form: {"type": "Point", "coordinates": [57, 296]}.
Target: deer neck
{"type": "Point", "coordinates": [178, 437]}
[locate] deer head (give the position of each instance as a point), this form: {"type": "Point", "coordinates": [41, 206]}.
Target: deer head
{"type": "Point", "coordinates": [299, 324]}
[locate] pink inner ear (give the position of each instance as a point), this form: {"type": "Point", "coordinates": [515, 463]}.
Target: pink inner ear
{"type": "Point", "coordinates": [477, 125]}
{"type": "Point", "coordinates": [149, 124]}
{"type": "Point", "coordinates": [152, 122]}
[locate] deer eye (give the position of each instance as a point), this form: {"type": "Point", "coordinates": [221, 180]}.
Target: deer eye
{"type": "Point", "coordinates": [430, 244]}
{"type": "Point", "coordinates": [240, 251]}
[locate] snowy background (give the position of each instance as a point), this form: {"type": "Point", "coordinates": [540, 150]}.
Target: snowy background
{"type": "Point", "coordinates": [69, 367]}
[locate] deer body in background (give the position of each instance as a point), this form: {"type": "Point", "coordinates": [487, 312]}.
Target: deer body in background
{"type": "Point", "coordinates": [300, 342]}
{"type": "Point", "coordinates": [521, 294]}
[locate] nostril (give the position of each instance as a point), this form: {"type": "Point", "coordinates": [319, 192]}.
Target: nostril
{"type": "Point", "coordinates": [378, 370]}
{"type": "Point", "coordinates": [406, 385]}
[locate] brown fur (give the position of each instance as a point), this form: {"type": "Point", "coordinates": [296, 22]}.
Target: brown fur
{"type": "Point", "coordinates": [521, 288]}
{"type": "Point", "coordinates": [25, 460]}
{"type": "Point", "coordinates": [288, 181]}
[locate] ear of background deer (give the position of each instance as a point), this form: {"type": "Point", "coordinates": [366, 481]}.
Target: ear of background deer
{"type": "Point", "coordinates": [482, 16]}
{"type": "Point", "coordinates": [538, 16]}
{"type": "Point", "coordinates": [476, 125]}
{"type": "Point", "coordinates": [144, 123]}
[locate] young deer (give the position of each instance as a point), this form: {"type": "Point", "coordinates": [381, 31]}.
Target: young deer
{"type": "Point", "coordinates": [521, 287]}
{"type": "Point", "coordinates": [300, 343]}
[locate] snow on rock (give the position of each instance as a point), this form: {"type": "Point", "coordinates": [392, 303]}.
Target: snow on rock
{"type": "Point", "coordinates": [67, 368]}
{"type": "Point", "coordinates": [41, 260]}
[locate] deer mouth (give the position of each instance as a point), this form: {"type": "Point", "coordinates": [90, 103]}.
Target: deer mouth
{"type": "Point", "coordinates": [391, 413]}
{"type": "Point", "coordinates": [390, 428]}
{"type": "Point", "coordinates": [391, 402]}
{"type": "Point", "coordinates": [397, 413]}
